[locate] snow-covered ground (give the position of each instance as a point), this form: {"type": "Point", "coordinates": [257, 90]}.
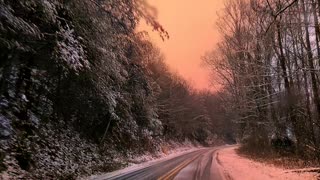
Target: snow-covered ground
{"type": "Point", "coordinates": [168, 150]}
{"type": "Point", "coordinates": [236, 167]}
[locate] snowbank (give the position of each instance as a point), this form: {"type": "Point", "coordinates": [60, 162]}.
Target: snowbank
{"type": "Point", "coordinates": [236, 167]}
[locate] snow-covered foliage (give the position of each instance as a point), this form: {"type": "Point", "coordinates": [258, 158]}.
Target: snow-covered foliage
{"type": "Point", "coordinates": [17, 23]}
{"type": "Point", "coordinates": [5, 127]}
{"type": "Point", "coordinates": [70, 51]}
{"type": "Point", "coordinates": [16, 26]}
{"type": "Point", "coordinates": [61, 115]}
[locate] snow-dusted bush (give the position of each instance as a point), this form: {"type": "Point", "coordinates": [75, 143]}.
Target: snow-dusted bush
{"type": "Point", "coordinates": [70, 51]}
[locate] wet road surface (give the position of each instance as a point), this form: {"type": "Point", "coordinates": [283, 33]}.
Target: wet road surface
{"type": "Point", "coordinates": [201, 164]}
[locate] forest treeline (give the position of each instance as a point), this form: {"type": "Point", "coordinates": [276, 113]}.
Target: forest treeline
{"type": "Point", "coordinates": [80, 87]}
{"type": "Point", "coordinates": [268, 61]}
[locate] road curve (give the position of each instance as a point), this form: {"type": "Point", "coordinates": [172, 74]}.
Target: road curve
{"type": "Point", "coordinates": [197, 165]}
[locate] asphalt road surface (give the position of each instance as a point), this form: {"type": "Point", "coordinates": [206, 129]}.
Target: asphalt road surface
{"type": "Point", "coordinates": [197, 165]}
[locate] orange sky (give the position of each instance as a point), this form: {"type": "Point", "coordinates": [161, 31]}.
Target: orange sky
{"type": "Point", "coordinates": [191, 26]}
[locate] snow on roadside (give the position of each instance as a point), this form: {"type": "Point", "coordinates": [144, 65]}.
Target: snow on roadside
{"type": "Point", "coordinates": [174, 150]}
{"type": "Point", "coordinates": [236, 167]}
{"type": "Point", "coordinates": [167, 149]}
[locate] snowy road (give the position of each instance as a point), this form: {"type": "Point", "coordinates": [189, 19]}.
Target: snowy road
{"type": "Point", "coordinates": [200, 164]}
{"type": "Point", "coordinates": [219, 163]}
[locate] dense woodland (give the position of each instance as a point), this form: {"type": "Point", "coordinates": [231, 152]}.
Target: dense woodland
{"type": "Point", "coordinates": [79, 87]}
{"type": "Point", "coordinates": [83, 91]}
{"type": "Point", "coordinates": [268, 62]}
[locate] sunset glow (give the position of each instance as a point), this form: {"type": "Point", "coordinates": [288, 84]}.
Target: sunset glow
{"type": "Point", "coordinates": [191, 26]}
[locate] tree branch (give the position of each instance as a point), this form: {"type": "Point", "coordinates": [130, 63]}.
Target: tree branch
{"type": "Point", "coordinates": [275, 16]}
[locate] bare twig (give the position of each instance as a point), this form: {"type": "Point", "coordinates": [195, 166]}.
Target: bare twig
{"type": "Point", "coordinates": [275, 16]}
